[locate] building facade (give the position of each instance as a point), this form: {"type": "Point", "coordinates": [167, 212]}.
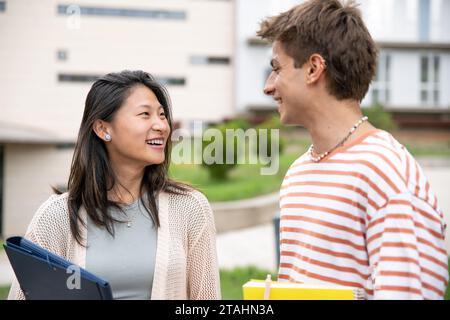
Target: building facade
{"type": "Point", "coordinates": [51, 52]}
{"type": "Point", "coordinates": [414, 63]}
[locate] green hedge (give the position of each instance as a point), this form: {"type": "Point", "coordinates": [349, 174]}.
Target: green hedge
{"type": "Point", "coordinates": [220, 171]}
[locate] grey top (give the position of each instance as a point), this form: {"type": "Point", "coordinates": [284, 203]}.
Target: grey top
{"type": "Point", "coordinates": [126, 261]}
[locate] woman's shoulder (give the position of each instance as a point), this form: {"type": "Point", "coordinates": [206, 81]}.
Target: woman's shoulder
{"type": "Point", "coordinates": [53, 208]}
{"type": "Point", "coordinates": [189, 197]}
{"type": "Point", "coordinates": [56, 202]}
{"type": "Point", "coordinates": [192, 207]}
{"type": "Point", "coordinates": [50, 225]}
{"type": "Point", "coordinates": [191, 211]}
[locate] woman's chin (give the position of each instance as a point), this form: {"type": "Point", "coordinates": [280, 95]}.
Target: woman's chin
{"type": "Point", "coordinates": [154, 161]}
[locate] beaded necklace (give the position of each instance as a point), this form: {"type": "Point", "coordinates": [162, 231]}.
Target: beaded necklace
{"type": "Point", "coordinates": [323, 155]}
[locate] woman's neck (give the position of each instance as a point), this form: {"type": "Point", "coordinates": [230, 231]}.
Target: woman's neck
{"type": "Point", "coordinates": [127, 187]}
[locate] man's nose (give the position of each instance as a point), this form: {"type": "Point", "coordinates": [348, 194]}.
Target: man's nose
{"type": "Point", "coordinates": [269, 88]}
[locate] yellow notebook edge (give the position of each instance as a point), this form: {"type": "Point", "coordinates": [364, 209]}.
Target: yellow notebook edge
{"type": "Point", "coordinates": [358, 293]}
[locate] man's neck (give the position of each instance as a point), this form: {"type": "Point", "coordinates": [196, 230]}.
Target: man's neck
{"type": "Point", "coordinates": [330, 123]}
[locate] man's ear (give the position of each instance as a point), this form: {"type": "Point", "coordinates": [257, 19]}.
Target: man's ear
{"type": "Point", "coordinates": [101, 129]}
{"type": "Point", "coordinates": [316, 67]}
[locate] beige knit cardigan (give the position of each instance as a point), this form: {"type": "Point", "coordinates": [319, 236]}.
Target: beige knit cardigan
{"type": "Point", "coordinates": [186, 259]}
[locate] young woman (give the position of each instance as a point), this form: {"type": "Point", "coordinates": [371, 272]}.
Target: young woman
{"type": "Point", "coordinates": [122, 217]}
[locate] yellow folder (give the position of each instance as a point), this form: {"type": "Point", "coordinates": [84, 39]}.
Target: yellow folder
{"type": "Point", "coordinates": [256, 289]}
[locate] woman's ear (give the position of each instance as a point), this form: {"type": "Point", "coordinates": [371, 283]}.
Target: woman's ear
{"type": "Point", "coordinates": [101, 129]}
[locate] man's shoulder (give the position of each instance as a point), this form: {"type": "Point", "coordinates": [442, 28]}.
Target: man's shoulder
{"type": "Point", "coordinates": [299, 162]}
{"type": "Point", "coordinates": [382, 151]}
{"type": "Point", "coordinates": [384, 142]}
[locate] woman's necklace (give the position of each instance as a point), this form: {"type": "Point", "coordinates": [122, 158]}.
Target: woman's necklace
{"type": "Point", "coordinates": [323, 155]}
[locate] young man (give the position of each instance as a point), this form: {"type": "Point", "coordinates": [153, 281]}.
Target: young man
{"type": "Point", "coordinates": [356, 209]}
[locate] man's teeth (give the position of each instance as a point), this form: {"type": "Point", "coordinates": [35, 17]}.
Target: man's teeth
{"type": "Point", "coordinates": [155, 142]}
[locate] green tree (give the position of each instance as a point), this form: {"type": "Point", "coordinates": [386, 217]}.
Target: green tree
{"type": "Point", "coordinates": [379, 117]}
{"type": "Point", "coordinates": [219, 169]}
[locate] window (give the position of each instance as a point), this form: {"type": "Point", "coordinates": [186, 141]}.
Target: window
{"type": "Point", "coordinates": [198, 60]}
{"type": "Point", "coordinates": [123, 12]}
{"type": "Point", "coordinates": [61, 55]}
{"type": "Point", "coordinates": [430, 66]}
{"type": "Point", "coordinates": [65, 146]}
{"type": "Point", "coordinates": [167, 81]}
{"type": "Point", "coordinates": [61, 187]}
{"type": "Point", "coordinates": [381, 85]}
{"type": "Point", "coordinates": [424, 20]}
{"type": "Point", "coordinates": [64, 77]}
{"type": "Point", "coordinates": [170, 81]}
{"type": "Point", "coordinates": [2, 6]}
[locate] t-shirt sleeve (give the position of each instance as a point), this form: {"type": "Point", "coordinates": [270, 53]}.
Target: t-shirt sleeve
{"type": "Point", "coordinates": [407, 256]}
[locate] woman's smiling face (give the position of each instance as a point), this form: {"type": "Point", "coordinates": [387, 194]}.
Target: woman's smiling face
{"type": "Point", "coordinates": [139, 130]}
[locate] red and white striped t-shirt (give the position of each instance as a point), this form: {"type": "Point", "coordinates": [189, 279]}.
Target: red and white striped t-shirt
{"type": "Point", "coordinates": [364, 217]}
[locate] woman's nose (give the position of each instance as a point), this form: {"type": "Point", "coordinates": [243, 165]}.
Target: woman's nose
{"type": "Point", "coordinates": [160, 125]}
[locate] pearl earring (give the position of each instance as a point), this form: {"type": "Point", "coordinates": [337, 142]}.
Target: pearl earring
{"type": "Point", "coordinates": [107, 137]}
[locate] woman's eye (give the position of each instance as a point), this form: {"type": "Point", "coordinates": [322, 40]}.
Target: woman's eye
{"type": "Point", "coordinates": [162, 114]}
{"type": "Point", "coordinates": [145, 113]}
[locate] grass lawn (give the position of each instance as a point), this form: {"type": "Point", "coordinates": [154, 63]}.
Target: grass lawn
{"type": "Point", "coordinates": [447, 293]}
{"type": "Point", "coordinates": [244, 181]}
{"type": "Point", "coordinates": [425, 144]}
{"type": "Point", "coordinates": [4, 292]}
{"type": "Point", "coordinates": [437, 149]}
{"type": "Point", "coordinates": [231, 281]}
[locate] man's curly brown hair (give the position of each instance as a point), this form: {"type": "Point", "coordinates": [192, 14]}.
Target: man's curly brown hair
{"type": "Point", "coordinates": [337, 32]}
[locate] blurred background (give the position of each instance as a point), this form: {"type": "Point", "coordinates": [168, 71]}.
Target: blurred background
{"type": "Point", "coordinates": [207, 54]}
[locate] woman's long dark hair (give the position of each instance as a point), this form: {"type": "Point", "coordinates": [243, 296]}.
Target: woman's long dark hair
{"type": "Point", "coordinates": [91, 175]}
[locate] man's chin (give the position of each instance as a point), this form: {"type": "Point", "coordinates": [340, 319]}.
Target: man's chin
{"type": "Point", "coordinates": [284, 119]}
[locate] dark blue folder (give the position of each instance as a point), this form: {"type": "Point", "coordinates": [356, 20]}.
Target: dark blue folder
{"type": "Point", "coordinates": [43, 275]}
